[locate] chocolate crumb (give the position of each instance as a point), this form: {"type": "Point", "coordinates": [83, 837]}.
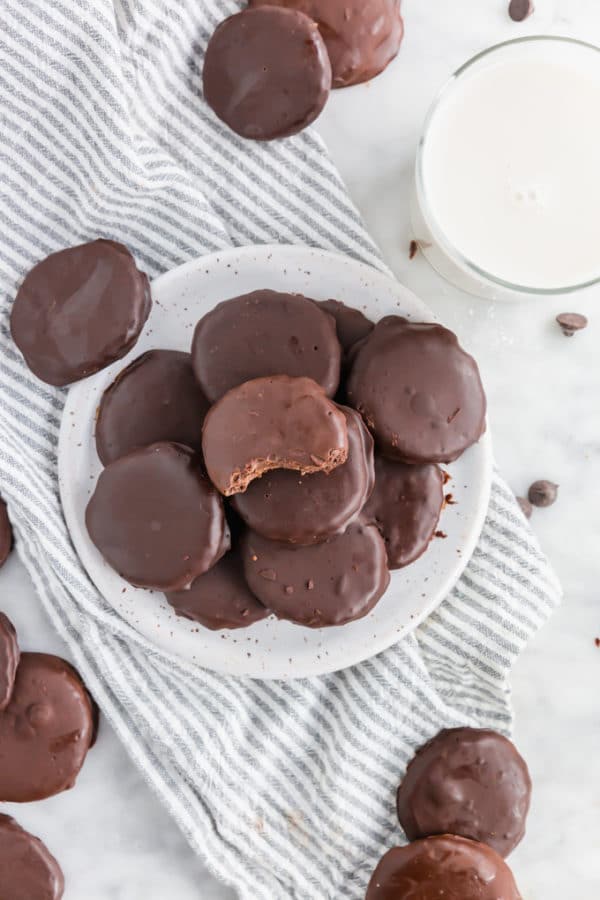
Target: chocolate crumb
{"type": "Point", "coordinates": [449, 500]}
{"type": "Point", "coordinates": [571, 322]}
{"type": "Point", "coordinates": [268, 574]}
{"type": "Point", "coordinates": [597, 642]}
{"type": "Point", "coordinates": [526, 507]}
{"type": "Point", "coordinates": [519, 10]}
{"type": "Point", "coordinates": [446, 476]}
{"type": "Point", "coordinates": [413, 250]}
{"type": "Point", "coordinates": [440, 534]}
{"type": "Point", "coordinates": [543, 493]}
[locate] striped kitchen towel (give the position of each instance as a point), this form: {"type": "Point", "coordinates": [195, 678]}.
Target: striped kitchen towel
{"type": "Point", "coordinates": [285, 790]}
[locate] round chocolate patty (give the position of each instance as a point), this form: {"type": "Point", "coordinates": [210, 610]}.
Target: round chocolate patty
{"type": "Point", "coordinates": [351, 325]}
{"type": "Point", "coordinates": [267, 73]}
{"type": "Point", "coordinates": [220, 598]}
{"type": "Point", "coordinates": [156, 518]}
{"type": "Point", "coordinates": [469, 782]}
{"type": "Point", "coordinates": [79, 310]}
{"type": "Point", "coordinates": [6, 534]}
{"type": "Point", "coordinates": [306, 509]}
{"type": "Point", "coordinates": [418, 391]}
{"type": "Point", "coordinates": [45, 731]}
{"type": "Point", "coordinates": [265, 333]}
{"type": "Point", "coordinates": [362, 36]}
{"type": "Point", "coordinates": [405, 505]}
{"type": "Point", "coordinates": [272, 423]}
{"type": "Point", "coordinates": [330, 583]}
{"type": "Point", "coordinates": [156, 398]}
{"type": "Point", "coordinates": [28, 871]}
{"type": "Point", "coordinates": [9, 660]}
{"type": "Point", "coordinates": [447, 866]}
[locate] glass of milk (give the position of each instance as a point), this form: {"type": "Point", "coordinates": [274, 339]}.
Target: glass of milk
{"type": "Point", "coordinates": [506, 199]}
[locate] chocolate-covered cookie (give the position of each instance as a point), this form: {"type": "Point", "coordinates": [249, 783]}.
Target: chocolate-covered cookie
{"type": "Point", "coordinates": [267, 73]}
{"type": "Point", "coordinates": [331, 583]}
{"type": "Point", "coordinates": [272, 423]}
{"type": "Point", "coordinates": [220, 598]}
{"type": "Point", "coordinates": [306, 509]}
{"type": "Point", "coordinates": [156, 398]}
{"type": "Point", "coordinates": [418, 391]}
{"type": "Point", "coordinates": [9, 659]}
{"type": "Point", "coordinates": [28, 871]}
{"type": "Point", "coordinates": [405, 505]}
{"type": "Point", "coordinates": [6, 534]}
{"type": "Point", "coordinates": [362, 36]}
{"type": "Point", "coordinates": [156, 518]}
{"type": "Point", "coordinates": [79, 310]}
{"type": "Point", "coordinates": [470, 782]}
{"type": "Point", "coordinates": [265, 333]}
{"type": "Point", "coordinates": [448, 867]}
{"type": "Point", "coordinates": [45, 731]}
{"type": "Point", "coordinates": [351, 325]}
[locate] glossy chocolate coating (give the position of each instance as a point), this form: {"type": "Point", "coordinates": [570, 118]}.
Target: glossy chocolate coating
{"type": "Point", "coordinates": [28, 871]}
{"type": "Point", "coordinates": [265, 333]}
{"type": "Point", "coordinates": [156, 518]}
{"type": "Point", "coordinates": [362, 36]}
{"type": "Point", "coordinates": [418, 391]}
{"type": "Point", "coordinates": [45, 731]}
{"type": "Point", "coordinates": [470, 782]}
{"type": "Point", "coordinates": [9, 659]}
{"type": "Point", "coordinates": [331, 583]}
{"type": "Point", "coordinates": [6, 533]}
{"type": "Point", "coordinates": [267, 73]}
{"type": "Point", "coordinates": [272, 423]}
{"type": "Point", "coordinates": [448, 867]}
{"type": "Point", "coordinates": [306, 509]}
{"type": "Point", "coordinates": [79, 310]}
{"type": "Point", "coordinates": [220, 598]}
{"type": "Point", "coordinates": [156, 398]}
{"type": "Point", "coordinates": [405, 505]}
{"type": "Point", "coordinates": [351, 325]}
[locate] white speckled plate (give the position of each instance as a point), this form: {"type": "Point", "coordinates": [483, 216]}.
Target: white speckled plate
{"type": "Point", "coordinates": [270, 649]}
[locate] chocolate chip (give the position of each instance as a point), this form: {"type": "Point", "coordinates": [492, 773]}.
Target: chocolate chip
{"type": "Point", "coordinates": [519, 10]}
{"type": "Point", "coordinates": [543, 493]}
{"type": "Point", "coordinates": [526, 507]}
{"type": "Point", "coordinates": [571, 322]}
{"type": "Point", "coordinates": [413, 249]}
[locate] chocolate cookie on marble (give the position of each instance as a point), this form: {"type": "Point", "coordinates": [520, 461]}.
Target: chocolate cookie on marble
{"type": "Point", "coordinates": [331, 583]}
{"type": "Point", "coordinates": [9, 659]}
{"type": "Point", "coordinates": [306, 509]}
{"type": "Point", "coordinates": [405, 505]}
{"type": "Point", "coordinates": [156, 398]}
{"type": "Point", "coordinates": [156, 518]}
{"type": "Point", "coordinates": [470, 782]}
{"type": "Point", "coordinates": [6, 534]}
{"type": "Point", "coordinates": [79, 310]}
{"type": "Point", "coordinates": [267, 73]}
{"type": "Point", "coordinates": [220, 598]}
{"type": "Point", "coordinates": [265, 333]}
{"type": "Point", "coordinates": [45, 731]}
{"type": "Point", "coordinates": [28, 871]}
{"type": "Point", "coordinates": [446, 866]}
{"type": "Point", "coordinates": [418, 391]}
{"type": "Point", "coordinates": [272, 423]}
{"type": "Point", "coordinates": [362, 36]}
{"type": "Point", "coordinates": [351, 324]}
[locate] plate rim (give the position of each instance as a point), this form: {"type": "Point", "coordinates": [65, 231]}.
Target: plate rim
{"type": "Point", "coordinates": [447, 582]}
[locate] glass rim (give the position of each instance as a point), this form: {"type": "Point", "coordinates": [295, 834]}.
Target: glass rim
{"type": "Point", "coordinates": [445, 243]}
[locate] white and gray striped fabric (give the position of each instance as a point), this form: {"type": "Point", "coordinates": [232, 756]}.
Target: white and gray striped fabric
{"type": "Point", "coordinates": [286, 790]}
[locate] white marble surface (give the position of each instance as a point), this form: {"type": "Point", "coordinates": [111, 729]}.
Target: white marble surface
{"type": "Point", "coordinates": [113, 839]}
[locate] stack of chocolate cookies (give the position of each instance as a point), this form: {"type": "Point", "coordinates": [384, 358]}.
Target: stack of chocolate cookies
{"type": "Point", "coordinates": [48, 722]}
{"type": "Point", "coordinates": [286, 464]}
{"type": "Point", "coordinates": [463, 804]}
